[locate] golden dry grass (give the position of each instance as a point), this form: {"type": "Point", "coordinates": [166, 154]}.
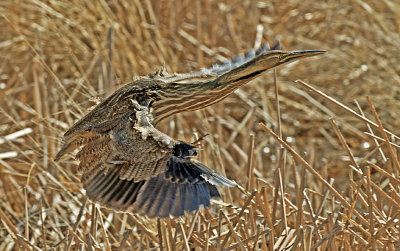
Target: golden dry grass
{"type": "Point", "coordinates": [335, 186]}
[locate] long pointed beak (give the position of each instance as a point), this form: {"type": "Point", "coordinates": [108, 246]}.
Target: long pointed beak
{"type": "Point", "coordinates": [294, 55]}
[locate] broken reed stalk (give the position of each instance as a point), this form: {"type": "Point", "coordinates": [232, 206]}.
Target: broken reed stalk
{"type": "Point", "coordinates": [312, 170]}
{"type": "Point", "coordinates": [74, 62]}
{"type": "Point", "coordinates": [343, 107]}
{"type": "Point", "coordinates": [385, 136]}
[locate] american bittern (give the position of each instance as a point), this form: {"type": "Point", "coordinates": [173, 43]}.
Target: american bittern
{"type": "Point", "coordinates": [130, 166]}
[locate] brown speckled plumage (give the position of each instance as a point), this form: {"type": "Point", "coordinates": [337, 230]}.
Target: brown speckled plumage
{"type": "Point", "coordinates": [129, 165]}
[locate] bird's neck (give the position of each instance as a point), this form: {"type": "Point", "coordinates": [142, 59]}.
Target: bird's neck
{"type": "Point", "coordinates": [197, 95]}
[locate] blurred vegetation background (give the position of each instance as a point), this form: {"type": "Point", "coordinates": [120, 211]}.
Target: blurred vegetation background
{"type": "Point", "coordinates": [56, 57]}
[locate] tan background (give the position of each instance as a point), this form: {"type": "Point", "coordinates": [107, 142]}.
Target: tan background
{"type": "Point", "coordinates": [56, 55]}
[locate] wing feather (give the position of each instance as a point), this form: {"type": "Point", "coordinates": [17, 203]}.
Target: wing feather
{"type": "Point", "coordinates": [126, 150]}
{"type": "Point", "coordinates": [131, 166]}
{"type": "Point", "coordinates": [182, 187]}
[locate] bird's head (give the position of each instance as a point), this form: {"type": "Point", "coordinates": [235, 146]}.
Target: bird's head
{"type": "Point", "coordinates": [264, 61]}
{"type": "Point", "coordinates": [270, 59]}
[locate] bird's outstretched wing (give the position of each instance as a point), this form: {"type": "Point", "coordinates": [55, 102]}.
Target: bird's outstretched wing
{"type": "Point", "coordinates": [138, 152]}
{"type": "Point", "coordinates": [136, 168]}
{"type": "Point", "coordinates": [184, 186]}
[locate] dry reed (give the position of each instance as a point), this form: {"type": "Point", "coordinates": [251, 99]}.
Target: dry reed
{"type": "Point", "coordinates": [316, 160]}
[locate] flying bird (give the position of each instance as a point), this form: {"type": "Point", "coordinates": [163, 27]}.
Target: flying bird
{"type": "Point", "coordinates": [128, 165]}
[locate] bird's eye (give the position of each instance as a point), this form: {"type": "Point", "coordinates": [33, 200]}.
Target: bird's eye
{"type": "Point", "coordinates": [282, 58]}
